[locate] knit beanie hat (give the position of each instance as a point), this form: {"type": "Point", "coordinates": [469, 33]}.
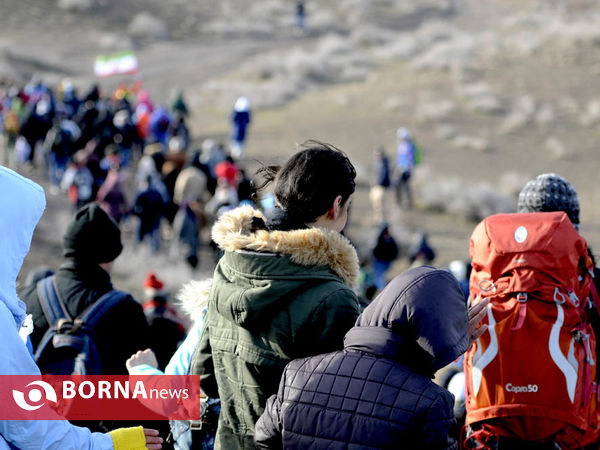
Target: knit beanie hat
{"type": "Point", "coordinates": [92, 236]}
{"type": "Point", "coordinates": [550, 192]}
{"type": "Point", "coordinates": [153, 287]}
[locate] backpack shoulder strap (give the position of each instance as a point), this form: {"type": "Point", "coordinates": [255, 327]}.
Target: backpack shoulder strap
{"type": "Point", "coordinates": [92, 314]}
{"type": "Point", "coordinates": [594, 296]}
{"type": "Point", "coordinates": [52, 304]}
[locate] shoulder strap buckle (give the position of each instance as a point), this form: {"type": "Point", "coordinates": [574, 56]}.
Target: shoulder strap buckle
{"type": "Point", "coordinates": [522, 297]}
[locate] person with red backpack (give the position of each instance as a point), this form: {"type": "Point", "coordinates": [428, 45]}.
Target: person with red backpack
{"type": "Point", "coordinates": [531, 379]}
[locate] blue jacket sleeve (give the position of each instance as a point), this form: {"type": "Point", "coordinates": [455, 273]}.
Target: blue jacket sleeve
{"type": "Point", "coordinates": [15, 359]}
{"type": "Point", "coordinates": [179, 363]}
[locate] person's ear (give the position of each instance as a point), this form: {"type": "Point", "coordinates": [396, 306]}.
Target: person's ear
{"type": "Point", "coordinates": [336, 208]}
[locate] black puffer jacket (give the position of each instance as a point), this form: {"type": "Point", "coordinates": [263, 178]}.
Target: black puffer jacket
{"type": "Point", "coordinates": [377, 393]}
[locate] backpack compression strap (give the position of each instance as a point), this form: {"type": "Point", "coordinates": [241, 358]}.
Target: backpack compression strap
{"type": "Point", "coordinates": [52, 305]}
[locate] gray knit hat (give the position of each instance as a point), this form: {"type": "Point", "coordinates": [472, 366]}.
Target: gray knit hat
{"type": "Point", "coordinates": [550, 192]}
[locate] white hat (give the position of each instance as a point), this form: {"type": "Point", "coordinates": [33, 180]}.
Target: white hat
{"type": "Point", "coordinates": [242, 104]}
{"type": "Point", "coordinates": [458, 269]}
{"type": "Point", "coordinates": [403, 133]}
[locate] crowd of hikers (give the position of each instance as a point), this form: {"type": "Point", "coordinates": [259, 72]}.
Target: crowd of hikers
{"type": "Point", "coordinates": [133, 157]}
{"type": "Point", "coordinates": [495, 353]}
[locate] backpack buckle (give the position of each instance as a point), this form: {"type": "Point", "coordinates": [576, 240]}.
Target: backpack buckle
{"type": "Point", "coordinates": [584, 339]}
{"type": "Point", "coordinates": [77, 324]}
{"type": "Point", "coordinates": [559, 297]}
{"type": "Point", "coordinates": [522, 311]}
{"type": "Point", "coordinates": [63, 325]}
{"type": "Point", "coordinates": [573, 297]}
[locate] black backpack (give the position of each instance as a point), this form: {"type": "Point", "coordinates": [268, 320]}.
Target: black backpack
{"type": "Point", "coordinates": [68, 347]}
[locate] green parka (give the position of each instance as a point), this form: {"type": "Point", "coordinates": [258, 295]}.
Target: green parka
{"type": "Point", "coordinates": [276, 296]}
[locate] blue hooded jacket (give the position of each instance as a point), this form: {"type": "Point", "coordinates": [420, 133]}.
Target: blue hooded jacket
{"type": "Point", "coordinates": [22, 203]}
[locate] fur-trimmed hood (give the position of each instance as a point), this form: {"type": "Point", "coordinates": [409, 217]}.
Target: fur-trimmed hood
{"type": "Point", "coordinates": [244, 228]}
{"type": "Point", "coordinates": [193, 298]}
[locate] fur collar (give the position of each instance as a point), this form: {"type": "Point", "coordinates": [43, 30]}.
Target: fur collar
{"type": "Point", "coordinates": [193, 298]}
{"type": "Point", "coordinates": [236, 230]}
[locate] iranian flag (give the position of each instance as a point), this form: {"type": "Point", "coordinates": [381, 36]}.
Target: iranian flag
{"type": "Point", "coordinates": [122, 63]}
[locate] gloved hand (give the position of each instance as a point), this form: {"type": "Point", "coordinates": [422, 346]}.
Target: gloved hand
{"type": "Point", "coordinates": [136, 438]}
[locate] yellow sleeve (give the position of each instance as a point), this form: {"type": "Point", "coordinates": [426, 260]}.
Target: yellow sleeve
{"type": "Point", "coordinates": [129, 438]}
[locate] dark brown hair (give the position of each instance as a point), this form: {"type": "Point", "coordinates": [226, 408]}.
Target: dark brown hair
{"type": "Point", "coordinates": [308, 183]}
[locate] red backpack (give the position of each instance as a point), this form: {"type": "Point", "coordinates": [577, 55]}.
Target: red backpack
{"type": "Point", "coordinates": [532, 375]}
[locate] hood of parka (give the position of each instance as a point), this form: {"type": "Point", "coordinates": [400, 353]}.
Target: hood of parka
{"type": "Point", "coordinates": [22, 203]}
{"type": "Point", "coordinates": [420, 319]}
{"type": "Point", "coordinates": [262, 268]}
{"type": "Point", "coordinates": [193, 298]}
